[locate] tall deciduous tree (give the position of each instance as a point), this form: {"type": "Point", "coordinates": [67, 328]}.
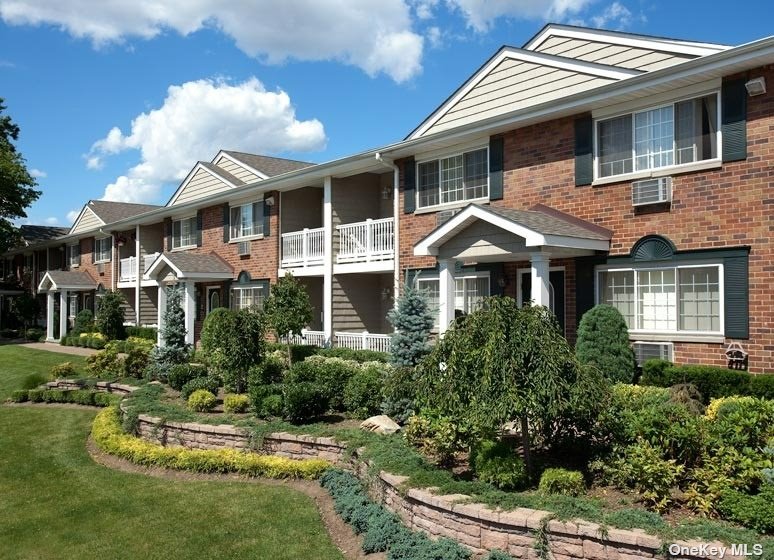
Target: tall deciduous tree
{"type": "Point", "coordinates": [288, 309]}
{"type": "Point", "coordinates": [17, 186]}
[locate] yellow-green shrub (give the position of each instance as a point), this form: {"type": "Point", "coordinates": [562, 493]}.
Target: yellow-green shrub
{"type": "Point", "coordinates": [201, 401]}
{"type": "Point", "coordinates": [110, 438]}
{"type": "Point", "coordinates": [236, 403]}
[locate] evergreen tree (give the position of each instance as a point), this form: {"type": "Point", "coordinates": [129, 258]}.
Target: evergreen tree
{"type": "Point", "coordinates": [110, 316]}
{"type": "Point", "coordinates": [175, 350]}
{"type": "Point", "coordinates": [287, 309]}
{"type": "Point", "coordinates": [412, 321]}
{"type": "Point", "coordinates": [603, 341]}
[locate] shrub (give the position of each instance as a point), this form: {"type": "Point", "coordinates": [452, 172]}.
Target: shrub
{"type": "Point", "coordinates": [105, 363]}
{"type": "Point", "coordinates": [761, 386]}
{"type": "Point", "coordinates": [298, 352]}
{"type": "Point", "coordinates": [146, 333]}
{"type": "Point", "coordinates": [269, 371]}
{"type": "Point", "coordinates": [436, 434]}
{"type": "Point", "coordinates": [398, 394]}
{"type": "Point", "coordinates": [136, 361]}
{"type": "Point", "coordinates": [496, 463]}
{"type": "Point", "coordinates": [64, 341]}
{"type": "Point", "coordinates": [362, 393]}
{"type": "Point", "coordinates": [603, 340]}
{"type": "Point", "coordinates": [755, 512]}
{"type": "Point", "coordinates": [331, 374]}
{"type": "Point", "coordinates": [8, 333]}
{"type": "Point", "coordinates": [654, 369]}
{"type": "Point", "coordinates": [712, 381]}
{"type": "Point", "coordinates": [133, 342]}
{"type": "Point", "coordinates": [84, 322]}
{"type": "Point", "coordinates": [562, 481]}
{"type": "Point", "coordinates": [288, 309]}
{"type": "Point", "coordinates": [235, 403]}
{"type": "Point", "coordinates": [35, 395]}
{"type": "Point", "coordinates": [95, 342]}
{"type": "Point", "coordinates": [65, 369]}
{"type": "Point", "coordinates": [110, 315]}
{"type": "Point", "coordinates": [19, 396]}
{"type": "Point", "coordinates": [258, 395]}
{"type": "Point", "coordinates": [354, 355]}
{"type": "Point", "coordinates": [34, 380]}
{"type": "Point", "coordinates": [497, 555]}
{"type": "Point", "coordinates": [201, 400]}
{"type": "Point", "coordinates": [180, 374]}
{"type": "Point", "coordinates": [233, 343]}
{"type": "Point", "coordinates": [272, 406]}
{"type": "Point", "coordinates": [34, 333]}
{"type": "Point", "coordinates": [210, 384]}
{"type": "Point", "coordinates": [304, 400]}
{"type": "Point", "coordinates": [688, 396]}
{"type": "Point", "coordinates": [412, 321]}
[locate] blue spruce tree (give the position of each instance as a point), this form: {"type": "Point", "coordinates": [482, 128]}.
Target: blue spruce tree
{"type": "Point", "coordinates": [412, 320]}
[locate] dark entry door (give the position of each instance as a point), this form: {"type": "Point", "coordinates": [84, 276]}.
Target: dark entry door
{"type": "Point", "coordinates": [556, 293]}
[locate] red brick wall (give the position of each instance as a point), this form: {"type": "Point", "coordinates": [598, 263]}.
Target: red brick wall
{"type": "Point", "coordinates": [87, 264]}
{"type": "Point", "coordinates": [727, 207]}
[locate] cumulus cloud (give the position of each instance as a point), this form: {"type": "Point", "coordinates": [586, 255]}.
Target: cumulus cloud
{"type": "Point", "coordinates": [481, 14]}
{"type": "Point", "coordinates": [72, 215]}
{"type": "Point", "coordinates": [196, 120]}
{"type": "Point", "coordinates": [52, 221]}
{"type": "Point", "coordinates": [425, 8]}
{"type": "Point", "coordinates": [375, 36]}
{"type": "Point", "coordinates": [38, 174]}
{"type": "Point", "coordinates": [616, 16]}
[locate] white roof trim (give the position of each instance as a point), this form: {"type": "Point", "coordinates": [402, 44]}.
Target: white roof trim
{"type": "Point", "coordinates": [430, 245]}
{"type": "Point", "coordinates": [616, 38]}
{"type": "Point", "coordinates": [562, 63]}
{"type": "Point", "coordinates": [240, 163]}
{"type": "Point", "coordinates": [162, 260]}
{"type": "Point", "coordinates": [191, 175]}
{"type": "Point", "coordinates": [80, 217]}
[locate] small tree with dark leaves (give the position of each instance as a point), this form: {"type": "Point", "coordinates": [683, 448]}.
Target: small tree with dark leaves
{"type": "Point", "coordinates": [412, 321]}
{"type": "Point", "coordinates": [110, 316]}
{"type": "Point", "coordinates": [288, 310]}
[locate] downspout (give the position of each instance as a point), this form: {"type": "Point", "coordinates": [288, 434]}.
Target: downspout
{"type": "Point", "coordinates": [388, 162]}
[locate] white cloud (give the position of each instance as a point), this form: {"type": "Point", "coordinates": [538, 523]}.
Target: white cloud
{"type": "Point", "coordinates": [196, 120]}
{"type": "Point", "coordinates": [481, 14]}
{"type": "Point", "coordinates": [38, 174]}
{"type": "Point", "coordinates": [424, 8]}
{"type": "Point", "coordinates": [615, 16]}
{"type": "Point", "coordinates": [72, 215]}
{"type": "Point", "coordinates": [435, 37]}
{"type": "Point", "coordinates": [52, 221]}
{"type": "Point", "coordinates": [373, 35]}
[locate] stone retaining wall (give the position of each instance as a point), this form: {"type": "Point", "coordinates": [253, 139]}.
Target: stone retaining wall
{"type": "Point", "coordinates": [102, 386]}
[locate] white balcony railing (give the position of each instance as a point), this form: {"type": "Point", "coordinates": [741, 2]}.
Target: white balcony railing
{"type": "Point", "coordinates": [128, 267]}
{"type": "Point", "coordinates": [372, 240]}
{"type": "Point", "coordinates": [363, 341]}
{"type": "Point", "coordinates": [308, 338]}
{"type": "Point", "coordinates": [303, 248]}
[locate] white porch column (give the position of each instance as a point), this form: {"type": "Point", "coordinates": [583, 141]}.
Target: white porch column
{"type": "Point", "coordinates": [162, 310]}
{"type": "Point", "coordinates": [540, 282]}
{"type": "Point", "coordinates": [328, 261]}
{"type": "Point", "coordinates": [140, 273]}
{"type": "Point", "coordinates": [446, 294]}
{"type": "Point", "coordinates": [63, 311]}
{"type": "Point", "coordinates": [50, 302]}
{"type": "Point", "coordinates": [189, 306]}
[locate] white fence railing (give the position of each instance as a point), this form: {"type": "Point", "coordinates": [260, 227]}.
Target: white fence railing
{"type": "Point", "coordinates": [307, 338]}
{"type": "Point", "coordinates": [128, 267]}
{"type": "Point", "coordinates": [363, 341]}
{"type": "Point", "coordinates": [372, 240]}
{"type": "Point", "coordinates": [303, 248]}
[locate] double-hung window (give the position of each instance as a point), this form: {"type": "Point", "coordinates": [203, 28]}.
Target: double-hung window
{"type": "Point", "coordinates": [453, 179]}
{"type": "Point", "coordinates": [469, 293]}
{"type": "Point", "coordinates": [246, 220]}
{"type": "Point", "coordinates": [673, 299]}
{"type": "Point", "coordinates": [102, 249]}
{"type": "Point", "coordinates": [665, 136]}
{"type": "Point", "coordinates": [74, 254]}
{"type": "Point", "coordinates": [184, 233]}
{"type": "Point", "coordinates": [249, 297]}
{"type": "Point", "coordinates": [72, 301]}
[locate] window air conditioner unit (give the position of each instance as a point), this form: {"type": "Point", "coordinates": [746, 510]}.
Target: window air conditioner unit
{"type": "Point", "coordinates": [243, 248]}
{"type": "Point", "coordinates": [652, 191]}
{"type": "Point", "coordinates": [101, 268]}
{"type": "Point", "coordinates": [644, 351]}
{"type": "Point", "coordinates": [445, 215]}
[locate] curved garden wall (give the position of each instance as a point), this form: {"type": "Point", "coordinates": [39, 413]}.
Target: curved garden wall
{"type": "Point", "coordinates": [102, 386]}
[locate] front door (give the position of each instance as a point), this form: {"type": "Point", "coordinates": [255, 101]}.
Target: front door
{"type": "Point", "coordinates": [213, 298]}
{"type": "Point", "coordinates": [555, 292]}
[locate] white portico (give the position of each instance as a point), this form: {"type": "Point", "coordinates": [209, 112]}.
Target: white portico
{"type": "Point", "coordinates": [484, 234]}
{"type": "Point", "coordinates": [64, 283]}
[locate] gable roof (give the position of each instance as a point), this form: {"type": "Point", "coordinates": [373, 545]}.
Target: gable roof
{"type": "Point", "coordinates": [267, 165]}
{"type": "Point", "coordinates": [191, 265]}
{"type": "Point", "coordinates": [35, 234]}
{"type": "Point", "coordinates": [66, 279]}
{"type": "Point", "coordinates": [222, 173]}
{"type": "Point", "coordinates": [110, 211]}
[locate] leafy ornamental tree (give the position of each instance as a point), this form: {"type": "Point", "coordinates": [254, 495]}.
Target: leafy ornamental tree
{"type": "Point", "coordinates": [603, 341]}
{"type": "Point", "coordinates": [175, 349]}
{"type": "Point", "coordinates": [233, 342]}
{"type": "Point", "coordinates": [412, 321]}
{"type": "Point", "coordinates": [287, 309]}
{"type": "Point", "coordinates": [110, 316]}
{"type": "Point", "coordinates": [26, 308]}
{"type": "Point", "coordinates": [506, 362]}
{"type": "Point", "coordinates": [17, 186]}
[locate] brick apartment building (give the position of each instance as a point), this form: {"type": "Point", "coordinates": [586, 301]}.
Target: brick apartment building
{"type": "Point", "coordinates": [587, 166]}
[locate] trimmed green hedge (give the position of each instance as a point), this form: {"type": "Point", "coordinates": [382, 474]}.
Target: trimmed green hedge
{"type": "Point", "coordinates": [148, 333]}
{"type": "Point", "coordinates": [711, 381]}
{"type": "Point", "coordinates": [78, 396]}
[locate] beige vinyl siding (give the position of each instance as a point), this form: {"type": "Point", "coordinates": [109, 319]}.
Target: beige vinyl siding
{"type": "Point", "coordinates": [236, 170]}
{"type": "Point", "coordinates": [356, 199]}
{"type": "Point", "coordinates": [152, 239]}
{"type": "Point", "coordinates": [314, 287]}
{"type": "Point", "coordinates": [301, 208]}
{"type": "Point", "coordinates": [358, 304]}
{"type": "Point", "coordinates": [482, 239]}
{"type": "Point", "coordinates": [514, 85]}
{"type": "Point", "coordinates": [88, 221]}
{"type": "Point", "coordinates": [611, 54]}
{"type": "Point", "coordinates": [202, 184]}
{"type": "Point", "coordinates": [128, 305]}
{"type": "Point", "coordinates": [149, 305]}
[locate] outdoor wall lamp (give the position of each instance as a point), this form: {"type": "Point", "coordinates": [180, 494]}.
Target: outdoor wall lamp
{"type": "Point", "coordinates": [269, 200]}
{"type": "Point", "coordinates": [756, 86]}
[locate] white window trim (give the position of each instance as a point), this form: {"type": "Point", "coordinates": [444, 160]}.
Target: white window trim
{"type": "Point", "coordinates": [69, 255]}
{"type": "Point", "coordinates": [520, 295]}
{"type": "Point", "coordinates": [457, 203]}
{"type": "Point", "coordinates": [182, 247]}
{"type": "Point", "coordinates": [657, 171]}
{"type": "Point", "coordinates": [461, 276]}
{"type": "Point", "coordinates": [267, 289]}
{"type": "Point", "coordinates": [70, 299]}
{"type": "Point", "coordinates": [232, 239]}
{"type": "Point", "coordinates": [110, 250]}
{"type": "Point", "coordinates": [670, 335]}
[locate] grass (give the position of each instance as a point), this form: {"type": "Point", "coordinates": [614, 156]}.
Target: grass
{"type": "Point", "coordinates": [57, 503]}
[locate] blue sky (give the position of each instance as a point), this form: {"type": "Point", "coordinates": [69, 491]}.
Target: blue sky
{"type": "Point", "coordinates": [119, 101]}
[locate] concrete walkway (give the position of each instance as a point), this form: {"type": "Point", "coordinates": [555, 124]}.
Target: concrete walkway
{"type": "Point", "coordinates": [54, 347]}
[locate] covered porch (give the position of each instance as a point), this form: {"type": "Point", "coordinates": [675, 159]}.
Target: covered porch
{"type": "Point", "coordinates": [68, 284]}
{"type": "Point", "coordinates": [186, 270]}
{"type": "Point", "coordinates": [529, 253]}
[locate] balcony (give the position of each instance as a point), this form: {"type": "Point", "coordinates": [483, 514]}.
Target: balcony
{"type": "Point", "coordinates": [372, 240]}
{"type": "Point", "coordinates": [128, 267]}
{"type": "Point", "coordinates": [303, 248]}
{"type": "Point", "coordinates": [354, 340]}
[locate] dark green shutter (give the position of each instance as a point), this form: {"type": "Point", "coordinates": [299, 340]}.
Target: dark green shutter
{"type": "Point", "coordinates": [168, 233]}
{"type": "Point", "coordinates": [226, 222]}
{"type": "Point", "coordinates": [226, 300]}
{"type": "Point", "coordinates": [585, 286]}
{"type": "Point", "coordinates": [737, 297]}
{"type": "Point", "coordinates": [409, 186]}
{"type": "Point", "coordinates": [266, 218]}
{"type": "Point", "coordinates": [496, 168]}
{"type": "Point", "coordinates": [199, 228]}
{"type": "Point", "coordinates": [734, 120]}
{"type": "Point", "coordinates": [584, 157]}
{"type": "Point", "coordinates": [79, 252]}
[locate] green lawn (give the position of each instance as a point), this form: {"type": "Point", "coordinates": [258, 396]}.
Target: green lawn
{"type": "Point", "coordinates": [55, 502]}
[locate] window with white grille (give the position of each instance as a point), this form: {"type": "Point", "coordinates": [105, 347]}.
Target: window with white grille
{"type": "Point", "coordinates": [453, 178]}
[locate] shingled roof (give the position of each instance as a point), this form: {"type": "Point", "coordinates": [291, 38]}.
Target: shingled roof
{"type": "Point", "coordinates": [109, 211]}
{"type": "Point", "coordinates": [34, 234]}
{"type": "Point", "coordinates": [267, 165]}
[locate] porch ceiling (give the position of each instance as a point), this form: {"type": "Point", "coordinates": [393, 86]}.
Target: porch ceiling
{"type": "Point", "coordinates": [483, 233]}
{"type": "Point", "coordinates": [70, 280]}
{"type": "Point", "coordinates": [189, 266]}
